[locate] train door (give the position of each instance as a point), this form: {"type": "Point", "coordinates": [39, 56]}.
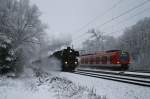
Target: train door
{"type": "Point", "coordinates": [94, 59]}
{"type": "Point", "coordinates": [104, 59]}
{"type": "Point", "coordinates": [86, 60]}
{"type": "Point", "coordinates": [82, 60]}
{"type": "Point", "coordinates": [98, 59]}
{"type": "Point", "coordinates": [91, 59]}
{"type": "Point", "coordinates": [111, 59]}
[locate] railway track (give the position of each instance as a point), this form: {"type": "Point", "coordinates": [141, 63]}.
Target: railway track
{"type": "Point", "coordinates": [136, 78]}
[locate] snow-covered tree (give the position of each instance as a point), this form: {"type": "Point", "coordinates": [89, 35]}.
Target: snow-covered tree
{"type": "Point", "coordinates": [7, 56]}
{"type": "Point", "coordinates": [136, 40]}
{"type": "Point", "coordinates": [98, 38]}
{"type": "Point", "coordinates": [99, 41]}
{"type": "Point", "coordinates": [20, 23]}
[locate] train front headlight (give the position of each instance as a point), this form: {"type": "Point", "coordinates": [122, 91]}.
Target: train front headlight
{"type": "Point", "coordinates": [75, 62]}
{"type": "Point", "coordinates": [118, 62]}
{"type": "Point", "coordinates": [66, 62]}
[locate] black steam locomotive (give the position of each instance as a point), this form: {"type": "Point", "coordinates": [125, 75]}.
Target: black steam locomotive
{"type": "Point", "coordinates": [68, 58]}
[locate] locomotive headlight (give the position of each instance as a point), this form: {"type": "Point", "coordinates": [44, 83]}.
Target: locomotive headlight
{"type": "Point", "coordinates": [66, 62]}
{"type": "Point", "coordinates": [75, 62]}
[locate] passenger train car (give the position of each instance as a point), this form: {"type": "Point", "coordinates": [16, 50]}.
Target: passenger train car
{"type": "Point", "coordinates": [112, 59]}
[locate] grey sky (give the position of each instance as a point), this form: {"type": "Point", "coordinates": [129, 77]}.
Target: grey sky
{"type": "Point", "coordinates": [65, 17]}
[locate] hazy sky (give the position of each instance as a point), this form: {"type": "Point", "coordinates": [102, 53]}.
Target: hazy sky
{"type": "Point", "coordinates": [66, 17]}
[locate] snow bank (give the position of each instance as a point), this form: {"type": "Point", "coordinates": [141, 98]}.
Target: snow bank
{"type": "Point", "coordinates": [66, 89]}
{"type": "Point", "coordinates": [110, 89]}
{"type": "Point", "coordinates": [45, 86]}
{"type": "Point", "coordinates": [23, 89]}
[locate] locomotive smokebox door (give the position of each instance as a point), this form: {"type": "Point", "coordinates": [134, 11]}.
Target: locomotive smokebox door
{"type": "Point", "coordinates": [76, 53]}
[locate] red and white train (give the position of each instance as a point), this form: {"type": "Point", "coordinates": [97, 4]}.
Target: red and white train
{"type": "Point", "coordinates": [112, 59]}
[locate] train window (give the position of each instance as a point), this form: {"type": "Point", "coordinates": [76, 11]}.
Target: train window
{"type": "Point", "coordinates": [82, 60]}
{"type": "Point", "coordinates": [124, 56]}
{"type": "Point", "coordinates": [111, 59]}
{"type": "Point", "coordinates": [91, 59]}
{"type": "Point", "coordinates": [104, 59]}
{"type": "Point", "coordinates": [86, 60]}
{"type": "Point", "coordinates": [97, 59]}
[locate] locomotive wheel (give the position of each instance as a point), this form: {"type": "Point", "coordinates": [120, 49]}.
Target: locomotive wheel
{"type": "Point", "coordinates": [67, 69]}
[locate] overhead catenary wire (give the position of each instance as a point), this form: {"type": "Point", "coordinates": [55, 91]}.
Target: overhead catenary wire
{"type": "Point", "coordinates": [131, 17]}
{"type": "Point", "coordinates": [120, 15]}
{"type": "Point", "coordinates": [100, 15]}
{"type": "Point", "coordinates": [124, 13]}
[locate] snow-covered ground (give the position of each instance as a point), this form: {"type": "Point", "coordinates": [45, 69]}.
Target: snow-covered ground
{"type": "Point", "coordinates": [23, 89]}
{"type": "Point", "coordinates": [110, 89]}
{"type": "Point", "coordinates": [45, 86]}
{"type": "Point", "coordinates": [68, 86]}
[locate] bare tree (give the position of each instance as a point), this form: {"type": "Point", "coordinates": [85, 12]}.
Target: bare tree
{"type": "Point", "coordinates": [98, 37]}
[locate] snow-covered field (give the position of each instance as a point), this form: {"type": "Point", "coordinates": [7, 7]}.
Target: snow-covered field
{"type": "Point", "coordinates": [110, 89]}
{"type": "Point", "coordinates": [46, 86]}
{"type": "Point", "coordinates": [23, 89]}
{"type": "Point", "coordinates": [68, 86]}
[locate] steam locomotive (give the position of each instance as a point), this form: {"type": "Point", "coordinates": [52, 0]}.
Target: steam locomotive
{"type": "Point", "coordinates": [112, 59]}
{"type": "Point", "coordinates": [68, 58]}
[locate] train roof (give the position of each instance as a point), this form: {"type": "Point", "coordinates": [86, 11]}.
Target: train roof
{"type": "Point", "coordinates": [101, 52]}
{"type": "Point", "coordinates": [113, 51]}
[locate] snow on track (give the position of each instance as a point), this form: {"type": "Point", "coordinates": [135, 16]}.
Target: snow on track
{"type": "Point", "coordinates": [110, 89]}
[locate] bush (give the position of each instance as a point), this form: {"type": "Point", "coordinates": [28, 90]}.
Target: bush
{"type": "Point", "coordinates": [7, 57]}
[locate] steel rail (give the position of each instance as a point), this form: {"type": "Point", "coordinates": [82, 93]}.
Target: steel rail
{"type": "Point", "coordinates": [123, 73]}
{"type": "Point", "coordinates": [129, 77]}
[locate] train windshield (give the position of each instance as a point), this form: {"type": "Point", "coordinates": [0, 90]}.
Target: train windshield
{"type": "Point", "coordinates": [124, 56]}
